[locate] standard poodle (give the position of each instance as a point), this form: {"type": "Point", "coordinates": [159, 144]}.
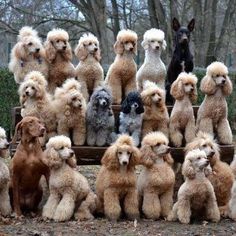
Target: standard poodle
{"type": "Point", "coordinates": [156, 117]}
{"type": "Point", "coordinates": [59, 56]}
{"type": "Point", "coordinates": [116, 185]}
{"type": "Point", "coordinates": [69, 190]}
{"type": "Point", "coordinates": [156, 181]}
{"type": "Point", "coordinates": [5, 206]}
{"type": "Point", "coordinates": [70, 107]}
{"type": "Point", "coordinates": [222, 175]}
{"type": "Point", "coordinates": [121, 74]}
{"type": "Point", "coordinates": [89, 71]}
{"type": "Point", "coordinates": [182, 120]}
{"type": "Point", "coordinates": [100, 118]}
{"type": "Point", "coordinates": [213, 112]}
{"type": "Point", "coordinates": [153, 68]}
{"type": "Point", "coordinates": [27, 55]}
{"type": "Point", "coordinates": [196, 195]}
{"type": "Point", "coordinates": [131, 116]}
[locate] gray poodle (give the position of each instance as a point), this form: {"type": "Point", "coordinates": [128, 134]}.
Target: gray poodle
{"type": "Point", "coordinates": [100, 118]}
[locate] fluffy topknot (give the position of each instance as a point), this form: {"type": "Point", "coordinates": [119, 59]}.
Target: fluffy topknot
{"type": "Point", "coordinates": [27, 31]}
{"type": "Point", "coordinates": [58, 34]}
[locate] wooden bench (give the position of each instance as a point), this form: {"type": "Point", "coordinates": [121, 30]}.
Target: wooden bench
{"type": "Point", "coordinates": [87, 155]}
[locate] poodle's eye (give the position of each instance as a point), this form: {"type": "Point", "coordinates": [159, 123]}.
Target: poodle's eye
{"type": "Point", "coordinates": [187, 84]}
{"type": "Point", "coordinates": [30, 44]}
{"type": "Point", "coordinates": [199, 158]}
{"type": "Point", "coordinates": [58, 41]}
{"type": "Point", "coordinates": [128, 153]}
{"type": "Point", "coordinates": [217, 75]}
{"type": "Point", "coordinates": [26, 87]}
{"type": "Point", "coordinates": [153, 94]}
{"type": "Point", "coordinates": [61, 148]}
{"type": "Point", "coordinates": [73, 99]}
{"type": "Point", "coordinates": [126, 42]}
{"type": "Point", "coordinates": [223, 76]}
{"type": "Point", "coordinates": [33, 88]}
{"type": "Point", "coordinates": [95, 44]}
{"type": "Point", "coordinates": [158, 144]}
{"type": "Point", "coordinates": [119, 153]}
{"type": "Point", "coordinates": [204, 145]}
{"type": "Point", "coordinates": [152, 41]}
{"type": "Point", "coordinates": [90, 43]}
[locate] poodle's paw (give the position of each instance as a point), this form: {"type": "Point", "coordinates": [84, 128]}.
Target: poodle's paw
{"type": "Point", "coordinates": [112, 216]}
{"type": "Point", "coordinates": [83, 216]}
{"type": "Point", "coordinates": [6, 210]}
{"type": "Point", "coordinates": [184, 220]}
{"type": "Point", "coordinates": [61, 216]}
{"type": "Point", "coordinates": [224, 211]}
{"type": "Point", "coordinates": [133, 215]}
{"type": "Point", "coordinates": [47, 214]}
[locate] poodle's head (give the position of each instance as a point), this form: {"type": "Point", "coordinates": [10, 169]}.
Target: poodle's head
{"type": "Point", "coordinates": [152, 94]}
{"type": "Point", "coordinates": [126, 41]}
{"type": "Point", "coordinates": [122, 153]}
{"type": "Point", "coordinates": [195, 161]}
{"type": "Point", "coordinates": [132, 103]}
{"type": "Point", "coordinates": [185, 84]}
{"type": "Point", "coordinates": [3, 142]}
{"type": "Point", "coordinates": [154, 39]}
{"type": "Point", "coordinates": [58, 151]}
{"type": "Point", "coordinates": [206, 143]}
{"type": "Point", "coordinates": [88, 45]}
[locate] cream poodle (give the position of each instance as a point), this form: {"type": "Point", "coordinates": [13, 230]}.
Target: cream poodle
{"type": "Point", "coordinates": [70, 107]}
{"type": "Point", "coordinates": [156, 181]}
{"type": "Point", "coordinates": [59, 56]}
{"type": "Point", "coordinates": [182, 120]}
{"type": "Point", "coordinates": [153, 68]}
{"type": "Point", "coordinates": [89, 71]}
{"type": "Point", "coordinates": [116, 181]}
{"type": "Point", "coordinates": [69, 190]}
{"type": "Point", "coordinates": [213, 112]}
{"type": "Point", "coordinates": [196, 195]}
{"type": "Point", "coordinates": [156, 117]}
{"type": "Point", "coordinates": [27, 55]}
{"type": "Point", "coordinates": [121, 74]}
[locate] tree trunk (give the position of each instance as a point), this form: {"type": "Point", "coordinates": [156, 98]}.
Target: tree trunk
{"type": "Point", "coordinates": [115, 16]}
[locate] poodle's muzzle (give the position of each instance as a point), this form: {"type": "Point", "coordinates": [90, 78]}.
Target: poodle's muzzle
{"type": "Point", "coordinates": [124, 157]}
{"type": "Point", "coordinates": [66, 153]}
{"type": "Point", "coordinates": [103, 102]}
{"type": "Point", "coordinates": [3, 144]}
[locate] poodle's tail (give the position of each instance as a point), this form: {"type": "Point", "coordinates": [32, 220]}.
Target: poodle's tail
{"type": "Point", "coordinates": [27, 31]}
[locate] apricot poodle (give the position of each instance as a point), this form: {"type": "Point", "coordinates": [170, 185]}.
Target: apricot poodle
{"type": "Point", "coordinates": [196, 195]}
{"type": "Point", "coordinates": [89, 71]}
{"type": "Point", "coordinates": [213, 112]}
{"type": "Point", "coordinates": [116, 185]}
{"type": "Point", "coordinates": [182, 120]}
{"type": "Point", "coordinates": [69, 190]}
{"type": "Point", "coordinates": [122, 73]}
{"type": "Point", "coordinates": [156, 181]}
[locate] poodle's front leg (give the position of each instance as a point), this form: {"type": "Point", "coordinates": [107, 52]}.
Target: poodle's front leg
{"type": "Point", "coordinates": [116, 89]}
{"type": "Point", "coordinates": [212, 210]}
{"type": "Point", "coordinates": [79, 132]}
{"type": "Point", "coordinates": [91, 135]}
{"type": "Point", "coordinates": [224, 132]}
{"type": "Point", "coordinates": [131, 207]}
{"type": "Point", "coordinates": [173, 213]}
{"type": "Point", "coordinates": [184, 210]}
{"type": "Point", "coordinates": [102, 137]}
{"type": "Point", "coordinates": [205, 125]}
{"type": "Point", "coordinates": [166, 200]}
{"type": "Point", "coordinates": [163, 127]}
{"type": "Point", "coordinates": [176, 136]}
{"type": "Point", "coordinates": [146, 127]}
{"type": "Point", "coordinates": [84, 89]}
{"type": "Point", "coordinates": [130, 86]}
{"type": "Point", "coordinates": [5, 206]}
{"type": "Point", "coordinates": [190, 131]}
{"type": "Point", "coordinates": [62, 128]}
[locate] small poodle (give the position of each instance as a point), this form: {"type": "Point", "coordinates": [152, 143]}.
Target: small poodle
{"type": "Point", "coordinates": [70, 107]}
{"type": "Point", "coordinates": [131, 116]}
{"type": "Point", "coordinates": [27, 55]}
{"type": "Point", "coordinates": [69, 190]}
{"type": "Point", "coordinates": [213, 112]}
{"type": "Point", "coordinates": [89, 71]}
{"type": "Point", "coordinates": [156, 117]}
{"type": "Point", "coordinates": [196, 194]}
{"type": "Point", "coordinates": [5, 206]}
{"type": "Point", "coordinates": [121, 74]}
{"type": "Point", "coordinates": [153, 68]}
{"type": "Point", "coordinates": [116, 181]}
{"type": "Point", "coordinates": [182, 120]}
{"type": "Point", "coordinates": [222, 177]}
{"type": "Point", "coordinates": [100, 118]}
{"type": "Point", "coordinates": [156, 181]}
{"type": "Point", "coordinates": [59, 56]}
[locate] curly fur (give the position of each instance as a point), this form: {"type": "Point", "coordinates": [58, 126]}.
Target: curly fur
{"type": "Point", "coordinates": [59, 56]}
{"type": "Point", "coordinates": [182, 120]}
{"type": "Point", "coordinates": [213, 112]}
{"type": "Point", "coordinates": [27, 55]}
{"type": "Point", "coordinates": [232, 203]}
{"type": "Point", "coordinates": [100, 118]}
{"type": "Point", "coordinates": [89, 71]}
{"type": "Point", "coordinates": [196, 194]}
{"type": "Point", "coordinates": [153, 68]}
{"type": "Point", "coordinates": [156, 117]}
{"type": "Point", "coordinates": [116, 181]}
{"type": "Point", "coordinates": [121, 74]}
{"type": "Point", "coordinates": [69, 190]}
{"type": "Point", "coordinates": [156, 180]}
{"type": "Point", "coordinates": [70, 107]}
{"type": "Point", "coordinates": [131, 116]}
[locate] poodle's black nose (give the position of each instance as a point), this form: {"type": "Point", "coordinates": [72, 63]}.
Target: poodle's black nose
{"type": "Point", "coordinates": [37, 49]}
{"type": "Point", "coordinates": [27, 93]}
{"type": "Point", "coordinates": [95, 49]}
{"type": "Point", "coordinates": [7, 145]}
{"type": "Point", "coordinates": [124, 163]}
{"type": "Point", "coordinates": [191, 89]}
{"type": "Point", "coordinates": [64, 48]}
{"type": "Point", "coordinates": [157, 47]}
{"type": "Point", "coordinates": [223, 81]}
{"type": "Point", "coordinates": [131, 49]}
{"type": "Point", "coordinates": [72, 153]}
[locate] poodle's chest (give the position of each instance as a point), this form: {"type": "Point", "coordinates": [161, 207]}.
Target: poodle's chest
{"type": "Point", "coordinates": [4, 174]}
{"type": "Point", "coordinates": [130, 121]}
{"type": "Point", "coordinates": [61, 182]}
{"type": "Point", "coordinates": [125, 69]}
{"type": "Point", "coordinates": [154, 72]}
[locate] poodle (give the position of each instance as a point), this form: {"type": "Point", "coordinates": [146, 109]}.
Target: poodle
{"type": "Point", "coordinates": [121, 74]}
{"type": "Point", "coordinates": [27, 55]}
{"type": "Point", "coordinates": [232, 203]}
{"type": "Point", "coordinates": [213, 112]}
{"type": "Point", "coordinates": [89, 71]}
{"type": "Point", "coordinates": [196, 194]}
{"type": "Point", "coordinates": [59, 56]}
{"type": "Point", "coordinates": [100, 118]}
{"type": "Point", "coordinates": [5, 206]}
{"type": "Point", "coordinates": [116, 181]}
{"type": "Point", "coordinates": [153, 68]}
{"type": "Point", "coordinates": [156, 181]}
{"type": "Point", "coordinates": [131, 116]}
{"type": "Point", "coordinates": [70, 109]}
{"type": "Point", "coordinates": [222, 175]}
{"type": "Point", "coordinates": [36, 101]}
{"type": "Point", "coordinates": [156, 117]}
{"type": "Point", "coordinates": [182, 120]}
{"type": "Point", "coordinates": [69, 190]}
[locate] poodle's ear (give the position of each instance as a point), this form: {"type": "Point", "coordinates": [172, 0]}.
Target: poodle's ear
{"type": "Point", "coordinates": [147, 101]}
{"type": "Point", "coordinates": [68, 52]}
{"type": "Point", "coordinates": [175, 24]}
{"type": "Point", "coordinates": [188, 170]}
{"type": "Point", "coordinates": [72, 162]}
{"type": "Point", "coordinates": [193, 96]}
{"type": "Point", "coordinates": [164, 44]}
{"type": "Point", "coordinates": [51, 157]}
{"type": "Point", "coordinates": [140, 108]}
{"type": "Point", "coordinates": [81, 52]}
{"type": "Point", "coordinates": [97, 55]}
{"type": "Point", "coordinates": [19, 51]}
{"type": "Point", "coordinates": [50, 51]}
{"type": "Point", "coordinates": [119, 47]}
{"type": "Point", "coordinates": [208, 85]}
{"type": "Point", "coordinates": [110, 159]}
{"type": "Point", "coordinates": [18, 132]}
{"type": "Point", "coordinates": [177, 89]}
{"type": "Point", "coordinates": [168, 158]}
{"type": "Point", "coordinates": [125, 107]}
{"type": "Point", "coordinates": [227, 88]}
{"type": "Point", "coordinates": [135, 157]}
{"type": "Point", "coordinates": [191, 25]}
{"type": "Point", "coordinates": [147, 155]}
{"type": "Point", "coordinates": [40, 90]}
{"type": "Point", "coordinates": [145, 44]}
